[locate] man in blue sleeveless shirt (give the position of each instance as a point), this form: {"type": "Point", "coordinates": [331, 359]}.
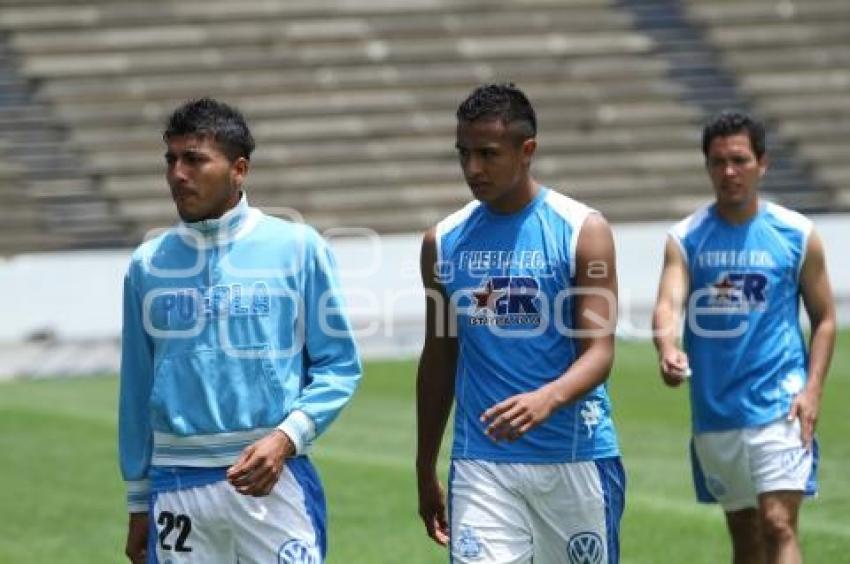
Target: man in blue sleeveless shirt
{"type": "Point", "coordinates": [738, 268]}
{"type": "Point", "coordinates": [235, 356]}
{"type": "Point", "coordinates": [521, 311]}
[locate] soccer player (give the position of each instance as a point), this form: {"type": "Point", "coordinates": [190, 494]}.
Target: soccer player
{"type": "Point", "coordinates": [521, 309]}
{"type": "Point", "coordinates": [235, 356]}
{"type": "Point", "coordinates": [739, 267]}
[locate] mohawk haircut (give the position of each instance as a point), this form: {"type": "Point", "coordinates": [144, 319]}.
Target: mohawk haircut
{"type": "Point", "coordinates": [733, 122]}
{"type": "Point", "coordinates": [502, 101]}
{"type": "Point", "coordinates": [209, 117]}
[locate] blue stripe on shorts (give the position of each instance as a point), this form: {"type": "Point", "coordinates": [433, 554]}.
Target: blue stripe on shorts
{"type": "Point", "coordinates": [314, 497]}
{"type": "Point", "coordinates": [612, 476]}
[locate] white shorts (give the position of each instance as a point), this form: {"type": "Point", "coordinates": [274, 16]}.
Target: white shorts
{"type": "Point", "coordinates": [734, 467]}
{"type": "Point", "coordinates": [215, 524]}
{"type": "Point", "coordinates": [506, 513]}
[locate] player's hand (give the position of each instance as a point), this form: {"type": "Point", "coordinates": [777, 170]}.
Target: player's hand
{"type": "Point", "coordinates": [674, 367]}
{"type": "Point", "coordinates": [137, 538]}
{"type": "Point", "coordinates": [515, 416]}
{"type": "Point", "coordinates": [259, 466]}
{"type": "Point", "coordinates": [805, 407]}
{"type": "Point", "coordinates": [432, 508]}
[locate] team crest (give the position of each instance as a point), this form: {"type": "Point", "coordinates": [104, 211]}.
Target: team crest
{"type": "Point", "coordinates": [298, 552]}
{"type": "Point", "coordinates": [468, 545]}
{"type": "Point", "coordinates": [591, 413]}
{"type": "Point", "coordinates": [506, 300]}
{"type": "Point", "coordinates": [586, 548]}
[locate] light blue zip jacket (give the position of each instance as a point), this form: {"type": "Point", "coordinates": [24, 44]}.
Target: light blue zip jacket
{"type": "Point", "coordinates": [232, 327]}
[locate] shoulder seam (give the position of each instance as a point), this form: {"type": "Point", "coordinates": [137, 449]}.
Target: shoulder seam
{"type": "Point", "coordinates": [450, 222]}
{"type": "Point", "coordinates": [575, 213]}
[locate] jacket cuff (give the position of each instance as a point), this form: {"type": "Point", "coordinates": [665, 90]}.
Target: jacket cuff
{"type": "Point", "coordinates": [300, 429]}
{"type": "Point", "coordinates": [138, 496]}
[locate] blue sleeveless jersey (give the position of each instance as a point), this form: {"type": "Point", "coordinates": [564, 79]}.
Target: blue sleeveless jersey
{"type": "Point", "coordinates": [742, 331]}
{"type": "Point", "coordinates": [509, 278]}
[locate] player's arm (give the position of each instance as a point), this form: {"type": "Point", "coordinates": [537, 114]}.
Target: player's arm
{"type": "Point", "coordinates": [595, 322]}
{"type": "Point", "coordinates": [134, 431]}
{"type": "Point", "coordinates": [817, 299]}
{"type": "Point", "coordinates": [434, 394]}
{"type": "Point", "coordinates": [333, 373]}
{"type": "Point", "coordinates": [667, 316]}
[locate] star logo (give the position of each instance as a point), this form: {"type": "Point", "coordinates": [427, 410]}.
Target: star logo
{"type": "Point", "coordinates": [487, 297]}
{"type": "Point", "coordinates": [726, 291]}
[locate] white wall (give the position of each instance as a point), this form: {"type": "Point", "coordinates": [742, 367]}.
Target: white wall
{"type": "Point", "coordinates": [77, 295]}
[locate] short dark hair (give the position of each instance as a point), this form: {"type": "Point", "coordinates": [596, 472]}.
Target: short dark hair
{"type": "Point", "coordinates": [206, 116]}
{"type": "Point", "coordinates": [500, 101]}
{"type": "Point", "coordinates": [732, 122]}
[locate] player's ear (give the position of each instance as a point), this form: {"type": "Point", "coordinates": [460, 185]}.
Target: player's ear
{"type": "Point", "coordinates": [528, 147]}
{"type": "Point", "coordinates": [763, 162]}
{"type": "Point", "coordinates": [238, 171]}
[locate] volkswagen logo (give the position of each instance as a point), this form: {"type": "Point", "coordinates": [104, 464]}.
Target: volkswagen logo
{"type": "Point", "coordinates": [586, 548]}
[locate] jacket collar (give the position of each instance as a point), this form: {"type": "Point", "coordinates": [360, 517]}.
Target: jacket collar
{"type": "Point", "coordinates": [221, 230]}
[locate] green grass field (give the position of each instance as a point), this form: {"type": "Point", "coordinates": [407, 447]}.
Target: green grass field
{"type": "Point", "coordinates": [61, 500]}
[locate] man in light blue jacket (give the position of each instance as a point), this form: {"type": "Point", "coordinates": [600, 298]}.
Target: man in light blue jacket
{"type": "Point", "coordinates": [236, 354]}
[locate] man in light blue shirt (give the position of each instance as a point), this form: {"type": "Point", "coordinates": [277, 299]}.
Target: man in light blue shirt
{"type": "Point", "coordinates": [236, 355]}
{"type": "Point", "coordinates": [739, 267]}
{"type": "Point", "coordinates": [522, 302]}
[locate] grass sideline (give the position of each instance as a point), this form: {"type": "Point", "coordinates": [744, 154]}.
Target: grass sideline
{"type": "Point", "coordinates": [61, 499]}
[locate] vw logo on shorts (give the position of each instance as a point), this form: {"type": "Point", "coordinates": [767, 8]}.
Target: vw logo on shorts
{"type": "Point", "coordinates": [586, 548]}
{"type": "Point", "coordinates": [297, 552]}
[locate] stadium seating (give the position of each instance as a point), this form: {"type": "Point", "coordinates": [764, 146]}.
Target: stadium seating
{"type": "Point", "coordinates": [352, 102]}
{"type": "Point", "coordinates": [792, 60]}
{"type": "Point", "coordinates": [50, 200]}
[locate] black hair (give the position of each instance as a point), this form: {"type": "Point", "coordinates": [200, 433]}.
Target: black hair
{"type": "Point", "coordinates": [732, 122]}
{"type": "Point", "coordinates": [500, 101]}
{"type": "Point", "coordinates": [206, 116]}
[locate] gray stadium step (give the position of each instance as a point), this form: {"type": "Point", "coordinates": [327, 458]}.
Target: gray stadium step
{"type": "Point", "coordinates": [328, 28]}
{"type": "Point", "coordinates": [788, 58]}
{"type": "Point", "coordinates": [809, 105]}
{"type": "Point", "coordinates": [816, 130]}
{"type": "Point", "coordinates": [741, 13]}
{"type": "Point", "coordinates": [283, 56]}
{"type": "Point", "coordinates": [19, 215]}
{"type": "Point", "coordinates": [363, 102]}
{"type": "Point", "coordinates": [327, 177]}
{"type": "Point", "coordinates": [827, 153]}
{"type": "Point", "coordinates": [783, 34]}
{"type": "Point", "coordinates": [403, 124]}
{"type": "Point", "coordinates": [606, 72]}
{"type": "Point", "coordinates": [37, 15]}
{"type": "Point", "coordinates": [115, 154]}
{"type": "Point", "coordinates": [796, 82]}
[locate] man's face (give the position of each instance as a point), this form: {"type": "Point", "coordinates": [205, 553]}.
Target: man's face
{"type": "Point", "coordinates": [493, 160]}
{"type": "Point", "coordinates": [204, 182]}
{"type": "Point", "coordinates": [734, 169]}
